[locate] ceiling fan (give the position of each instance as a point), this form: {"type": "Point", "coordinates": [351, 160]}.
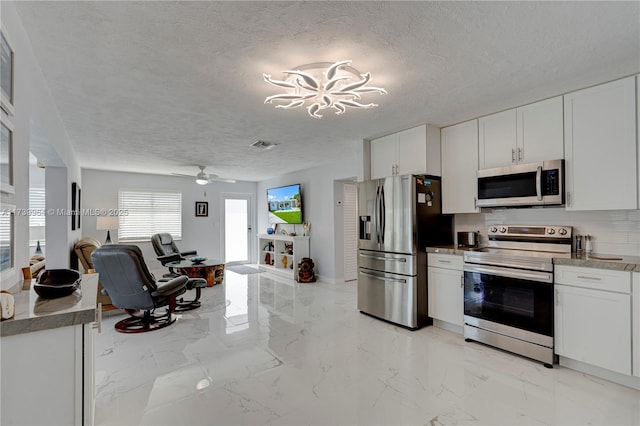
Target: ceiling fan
{"type": "Point", "coordinates": [203, 178]}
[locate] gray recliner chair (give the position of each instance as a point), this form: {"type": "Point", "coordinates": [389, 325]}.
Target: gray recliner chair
{"type": "Point", "coordinates": [168, 252]}
{"type": "Point", "coordinates": [164, 246]}
{"type": "Point", "coordinates": [130, 285]}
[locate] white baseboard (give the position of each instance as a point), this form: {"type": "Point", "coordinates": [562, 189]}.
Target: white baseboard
{"type": "Point", "coordinates": [612, 376]}
{"type": "Point", "coordinates": [458, 329]}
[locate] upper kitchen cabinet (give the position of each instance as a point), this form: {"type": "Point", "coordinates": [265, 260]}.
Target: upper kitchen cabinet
{"type": "Point", "coordinates": [459, 168]}
{"type": "Point", "coordinates": [522, 135]}
{"type": "Point", "coordinates": [600, 147]}
{"type": "Point", "coordinates": [412, 151]}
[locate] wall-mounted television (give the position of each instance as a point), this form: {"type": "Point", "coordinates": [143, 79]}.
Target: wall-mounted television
{"type": "Point", "coordinates": [285, 204]}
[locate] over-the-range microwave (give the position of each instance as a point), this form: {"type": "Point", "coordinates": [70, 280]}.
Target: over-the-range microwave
{"type": "Point", "coordinates": [522, 185]}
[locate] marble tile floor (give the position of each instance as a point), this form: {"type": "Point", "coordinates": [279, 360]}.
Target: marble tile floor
{"type": "Point", "coordinates": [265, 350]}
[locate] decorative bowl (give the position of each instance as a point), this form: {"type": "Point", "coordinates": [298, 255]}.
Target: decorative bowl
{"type": "Point", "coordinates": [54, 283]}
{"type": "Point", "coordinates": [198, 259]}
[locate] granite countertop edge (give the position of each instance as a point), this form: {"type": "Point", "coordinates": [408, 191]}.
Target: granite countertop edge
{"type": "Point", "coordinates": [62, 312]}
{"type": "Point", "coordinates": [616, 263]}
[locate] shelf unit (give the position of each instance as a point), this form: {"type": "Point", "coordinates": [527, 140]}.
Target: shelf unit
{"type": "Point", "coordinates": [273, 248]}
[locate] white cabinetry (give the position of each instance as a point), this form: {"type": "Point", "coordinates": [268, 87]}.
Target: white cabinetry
{"type": "Point", "coordinates": [522, 135]}
{"type": "Point", "coordinates": [44, 374]}
{"type": "Point", "coordinates": [459, 168]}
{"type": "Point", "coordinates": [601, 147]}
{"type": "Point", "coordinates": [445, 288]}
{"type": "Point", "coordinates": [282, 253]}
{"type": "Point", "coordinates": [593, 317]}
{"type": "Point", "coordinates": [412, 151]}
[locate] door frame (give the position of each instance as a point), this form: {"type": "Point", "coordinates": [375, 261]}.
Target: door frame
{"type": "Point", "coordinates": [251, 219]}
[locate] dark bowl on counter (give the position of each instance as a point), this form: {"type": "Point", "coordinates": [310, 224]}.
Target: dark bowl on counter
{"type": "Point", "coordinates": [54, 283]}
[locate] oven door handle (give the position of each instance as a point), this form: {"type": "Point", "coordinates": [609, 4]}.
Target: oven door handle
{"type": "Point", "coordinates": [544, 277]}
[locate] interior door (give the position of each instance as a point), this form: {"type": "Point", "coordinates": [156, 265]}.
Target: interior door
{"type": "Point", "coordinates": [237, 228]}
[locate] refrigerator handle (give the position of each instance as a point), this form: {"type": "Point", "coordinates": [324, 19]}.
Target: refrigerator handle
{"type": "Point", "coordinates": [383, 219]}
{"type": "Point", "coordinates": [375, 214]}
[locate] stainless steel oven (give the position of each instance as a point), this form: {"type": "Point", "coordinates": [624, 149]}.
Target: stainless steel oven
{"type": "Point", "coordinates": [508, 289]}
{"type": "Point", "coordinates": [532, 184]}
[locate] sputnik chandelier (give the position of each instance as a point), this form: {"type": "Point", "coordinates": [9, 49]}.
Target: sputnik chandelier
{"type": "Point", "coordinates": [323, 85]}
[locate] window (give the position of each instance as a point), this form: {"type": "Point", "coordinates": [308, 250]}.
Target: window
{"type": "Point", "coordinates": [6, 156]}
{"type": "Point", "coordinates": [6, 238]}
{"type": "Point", "coordinates": [145, 213]}
{"type": "Point", "coordinates": [6, 74]}
{"type": "Point", "coordinates": [37, 218]}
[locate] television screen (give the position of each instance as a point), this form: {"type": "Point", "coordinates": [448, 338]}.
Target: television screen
{"type": "Point", "coordinates": [285, 204]}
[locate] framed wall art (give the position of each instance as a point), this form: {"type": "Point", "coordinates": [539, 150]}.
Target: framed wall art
{"type": "Point", "coordinates": [6, 74]}
{"type": "Point", "coordinates": [75, 206]}
{"type": "Point", "coordinates": [6, 157]}
{"type": "Point", "coordinates": [202, 209]}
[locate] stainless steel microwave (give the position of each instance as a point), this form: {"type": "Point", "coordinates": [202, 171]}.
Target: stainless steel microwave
{"type": "Point", "coordinates": [532, 184]}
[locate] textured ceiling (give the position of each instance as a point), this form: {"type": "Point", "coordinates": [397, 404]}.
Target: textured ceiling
{"type": "Point", "coordinates": [158, 86]}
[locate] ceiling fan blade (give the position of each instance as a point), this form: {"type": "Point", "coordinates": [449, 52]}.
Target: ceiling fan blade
{"type": "Point", "coordinates": [222, 180]}
{"type": "Point", "coordinates": [183, 175]}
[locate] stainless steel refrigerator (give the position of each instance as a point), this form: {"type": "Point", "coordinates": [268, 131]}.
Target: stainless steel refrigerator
{"type": "Point", "coordinates": [399, 216]}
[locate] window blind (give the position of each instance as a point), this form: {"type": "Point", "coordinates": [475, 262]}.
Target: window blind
{"type": "Point", "coordinates": [145, 213]}
{"type": "Point", "coordinates": [6, 240]}
{"type": "Point", "coordinates": [37, 219]}
{"type": "Point", "coordinates": [37, 206]}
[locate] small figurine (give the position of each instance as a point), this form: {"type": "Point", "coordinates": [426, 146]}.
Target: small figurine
{"type": "Point", "coordinates": [284, 262]}
{"type": "Point", "coordinates": [288, 248]}
{"type": "Point", "coordinates": [305, 271]}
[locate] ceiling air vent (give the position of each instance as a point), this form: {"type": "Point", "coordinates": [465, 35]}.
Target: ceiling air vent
{"type": "Point", "coordinates": [264, 144]}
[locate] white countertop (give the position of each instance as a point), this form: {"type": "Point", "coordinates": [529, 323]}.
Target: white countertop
{"type": "Point", "coordinates": [34, 313]}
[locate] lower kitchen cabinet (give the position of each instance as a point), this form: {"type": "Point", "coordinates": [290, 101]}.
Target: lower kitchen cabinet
{"type": "Point", "coordinates": [446, 293]}
{"type": "Point", "coordinates": [48, 377]}
{"type": "Point", "coordinates": [593, 317]}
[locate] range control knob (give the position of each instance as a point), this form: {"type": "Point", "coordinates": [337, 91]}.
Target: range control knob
{"type": "Point", "coordinates": [562, 231]}
{"type": "Point", "coordinates": [503, 229]}
{"type": "Point", "coordinates": [551, 231]}
{"type": "Point", "coordinates": [493, 229]}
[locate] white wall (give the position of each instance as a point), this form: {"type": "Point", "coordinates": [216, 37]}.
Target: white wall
{"type": "Point", "coordinates": [204, 234]}
{"type": "Point", "coordinates": [319, 208]}
{"type": "Point", "coordinates": [614, 232]}
{"type": "Point", "coordinates": [37, 127]}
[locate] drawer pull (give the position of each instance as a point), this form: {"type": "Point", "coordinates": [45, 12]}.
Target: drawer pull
{"type": "Point", "coordinates": [584, 277]}
{"type": "Point", "coordinates": [444, 261]}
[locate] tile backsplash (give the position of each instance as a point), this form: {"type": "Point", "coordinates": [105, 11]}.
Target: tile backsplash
{"type": "Point", "coordinates": [613, 232]}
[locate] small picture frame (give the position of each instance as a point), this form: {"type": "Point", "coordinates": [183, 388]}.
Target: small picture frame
{"type": "Point", "coordinates": [202, 208]}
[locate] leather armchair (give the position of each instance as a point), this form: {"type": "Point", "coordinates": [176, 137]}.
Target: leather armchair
{"type": "Point", "coordinates": [83, 249]}
{"type": "Point", "coordinates": [127, 280]}
{"type": "Point", "coordinates": [167, 252]}
{"type": "Point", "coordinates": [164, 246]}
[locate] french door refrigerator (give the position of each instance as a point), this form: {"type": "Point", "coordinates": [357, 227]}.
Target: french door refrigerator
{"type": "Point", "coordinates": [399, 216]}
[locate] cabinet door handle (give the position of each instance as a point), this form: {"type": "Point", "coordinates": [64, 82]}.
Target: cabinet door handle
{"type": "Point", "coordinates": [513, 155]}
{"type": "Point", "coordinates": [461, 281]}
{"type": "Point", "coordinates": [519, 154]}
{"type": "Point", "coordinates": [557, 297]}
{"type": "Point", "coordinates": [568, 198]}
{"type": "Point", "coordinates": [98, 323]}
{"type": "Point", "coordinates": [475, 203]}
{"type": "Point", "coordinates": [443, 261]}
{"type": "Point", "coordinates": [586, 277]}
